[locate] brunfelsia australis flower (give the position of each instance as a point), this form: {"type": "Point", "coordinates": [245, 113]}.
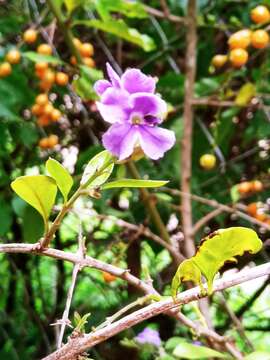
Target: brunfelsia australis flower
{"type": "Point", "coordinates": [130, 105]}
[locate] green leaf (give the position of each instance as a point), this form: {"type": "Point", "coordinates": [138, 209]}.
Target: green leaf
{"type": "Point", "coordinates": [32, 225]}
{"type": "Point", "coordinates": [120, 29]}
{"type": "Point", "coordinates": [6, 216]}
{"type": "Point", "coordinates": [190, 351]}
{"type": "Point", "coordinates": [39, 191]}
{"type": "Point", "coordinates": [98, 170]}
{"type": "Point", "coordinates": [61, 176]}
{"type": "Point", "coordinates": [129, 9]}
{"type": "Point", "coordinates": [245, 94]}
{"type": "Point", "coordinates": [84, 84]}
{"type": "Point", "coordinates": [235, 196]}
{"type": "Point", "coordinates": [217, 248]}
{"type": "Point", "coordinates": [258, 355]}
{"type": "Point", "coordinates": [73, 4]}
{"type": "Point", "coordinates": [35, 57]}
{"type": "Point", "coordinates": [133, 183]}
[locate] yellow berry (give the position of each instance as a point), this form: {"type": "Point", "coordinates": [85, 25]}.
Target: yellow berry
{"type": "Point", "coordinates": [208, 161]}
{"type": "Point", "coordinates": [89, 62]}
{"type": "Point", "coordinates": [13, 56]}
{"type": "Point", "coordinates": [42, 99]}
{"type": "Point", "coordinates": [30, 36]}
{"type": "Point", "coordinates": [44, 49]}
{"type": "Point", "coordinates": [238, 57]}
{"type": "Point", "coordinates": [55, 115]}
{"type": "Point", "coordinates": [61, 78]}
{"type": "Point", "coordinates": [260, 14]}
{"type": "Point", "coordinates": [219, 60]}
{"type": "Point", "coordinates": [86, 50]}
{"type": "Point", "coordinates": [240, 39]}
{"type": "Point", "coordinates": [5, 69]}
{"type": "Point", "coordinates": [259, 39]}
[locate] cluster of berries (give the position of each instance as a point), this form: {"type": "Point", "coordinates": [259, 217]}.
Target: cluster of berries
{"type": "Point", "coordinates": [239, 41]}
{"type": "Point", "coordinates": [250, 187]}
{"type": "Point", "coordinates": [86, 51]}
{"type": "Point", "coordinates": [12, 57]}
{"type": "Point", "coordinates": [257, 210]}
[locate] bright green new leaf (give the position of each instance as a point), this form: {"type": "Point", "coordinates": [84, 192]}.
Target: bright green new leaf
{"type": "Point", "coordinates": [120, 29]}
{"type": "Point", "coordinates": [189, 351]}
{"type": "Point", "coordinates": [98, 170]}
{"type": "Point", "coordinates": [219, 247]}
{"type": "Point", "coordinates": [62, 177]}
{"type": "Point", "coordinates": [84, 84]}
{"type": "Point", "coordinates": [36, 58]}
{"type": "Point", "coordinates": [133, 183]}
{"type": "Point", "coordinates": [235, 196]}
{"type": "Point", "coordinates": [245, 94]}
{"type": "Point", "coordinates": [38, 190]}
{"type": "Point", "coordinates": [129, 9]}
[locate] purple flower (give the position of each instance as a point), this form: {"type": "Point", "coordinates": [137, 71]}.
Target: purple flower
{"type": "Point", "coordinates": [130, 104]}
{"type": "Point", "coordinates": [148, 336]}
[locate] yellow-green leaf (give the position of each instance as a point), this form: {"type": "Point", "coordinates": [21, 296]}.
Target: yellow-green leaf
{"type": "Point", "coordinates": [219, 247]}
{"type": "Point", "coordinates": [36, 58]}
{"type": "Point", "coordinates": [185, 350]}
{"type": "Point", "coordinates": [62, 177]}
{"type": "Point", "coordinates": [38, 191]}
{"type": "Point", "coordinates": [133, 183]}
{"type": "Point", "coordinates": [98, 170]}
{"type": "Point", "coordinates": [245, 94]}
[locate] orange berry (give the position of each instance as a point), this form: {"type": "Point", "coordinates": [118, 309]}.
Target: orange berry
{"type": "Point", "coordinates": [89, 62]}
{"type": "Point", "coordinates": [30, 36]}
{"type": "Point", "coordinates": [37, 109]}
{"type": "Point", "coordinates": [48, 109]}
{"type": "Point", "coordinates": [55, 115]}
{"type": "Point", "coordinates": [44, 49]}
{"type": "Point", "coordinates": [86, 50]}
{"type": "Point", "coordinates": [219, 60]}
{"type": "Point", "coordinates": [259, 39]}
{"type": "Point", "coordinates": [49, 76]}
{"type": "Point", "coordinates": [77, 42]}
{"type": "Point", "coordinates": [13, 56]}
{"type": "Point", "coordinates": [256, 186]}
{"type": "Point", "coordinates": [45, 86]}
{"type": "Point", "coordinates": [43, 120]}
{"type": "Point", "coordinates": [252, 209]}
{"type": "Point", "coordinates": [238, 57]}
{"type": "Point", "coordinates": [42, 99]}
{"type": "Point", "coordinates": [61, 78]}
{"type": "Point", "coordinates": [240, 39]}
{"type": "Point", "coordinates": [244, 187]}
{"type": "Point", "coordinates": [41, 66]}
{"type": "Point", "coordinates": [43, 143]}
{"type": "Point", "coordinates": [5, 69]}
{"type": "Point", "coordinates": [260, 14]}
{"type": "Point", "coordinates": [260, 216]}
{"type": "Point", "coordinates": [53, 140]}
{"type": "Point", "coordinates": [108, 277]}
{"type": "Point", "coordinates": [73, 60]}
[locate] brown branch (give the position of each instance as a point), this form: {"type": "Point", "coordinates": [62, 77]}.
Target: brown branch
{"type": "Point", "coordinates": [162, 15]}
{"type": "Point", "coordinates": [186, 148]}
{"type": "Point", "coordinates": [88, 261]}
{"type": "Point", "coordinates": [76, 346]}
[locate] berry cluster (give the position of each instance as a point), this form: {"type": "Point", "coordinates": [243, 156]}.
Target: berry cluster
{"type": "Point", "coordinates": [86, 51]}
{"type": "Point", "coordinates": [257, 210]}
{"type": "Point", "coordinates": [241, 40]}
{"type": "Point", "coordinates": [250, 187]}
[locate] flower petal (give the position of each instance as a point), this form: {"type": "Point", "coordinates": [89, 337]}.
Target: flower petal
{"type": "Point", "coordinates": [114, 77]}
{"type": "Point", "coordinates": [101, 85]}
{"type": "Point", "coordinates": [148, 104]}
{"type": "Point", "coordinates": [120, 140]}
{"type": "Point", "coordinates": [155, 141]}
{"type": "Point", "coordinates": [114, 105]}
{"type": "Point", "coordinates": [133, 80]}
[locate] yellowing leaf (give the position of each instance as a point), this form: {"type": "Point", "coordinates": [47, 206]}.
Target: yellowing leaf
{"type": "Point", "coordinates": [219, 247]}
{"type": "Point", "coordinates": [185, 350]}
{"type": "Point", "coordinates": [62, 177]}
{"type": "Point", "coordinates": [245, 94]}
{"type": "Point", "coordinates": [38, 191]}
